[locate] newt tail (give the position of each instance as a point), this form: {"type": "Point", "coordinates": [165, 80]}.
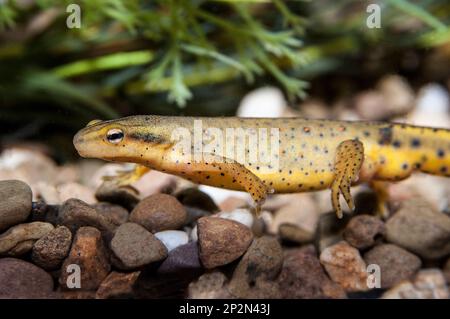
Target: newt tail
{"type": "Point", "coordinates": [264, 155]}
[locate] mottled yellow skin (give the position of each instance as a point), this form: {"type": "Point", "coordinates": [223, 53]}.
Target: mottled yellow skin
{"type": "Point", "coordinates": [307, 153]}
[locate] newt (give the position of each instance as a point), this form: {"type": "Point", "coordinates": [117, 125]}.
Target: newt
{"type": "Point", "coordinates": [304, 155]}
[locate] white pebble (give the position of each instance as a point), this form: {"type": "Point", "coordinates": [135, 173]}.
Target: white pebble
{"type": "Point", "coordinates": [263, 102]}
{"type": "Point", "coordinates": [240, 215]}
{"type": "Point", "coordinates": [172, 238]}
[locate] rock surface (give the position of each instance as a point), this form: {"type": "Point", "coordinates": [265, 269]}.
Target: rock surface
{"type": "Point", "coordinates": [159, 212]}
{"type": "Point", "coordinates": [110, 192]}
{"type": "Point", "coordinates": [209, 286]}
{"type": "Point", "coordinates": [302, 276]}
{"type": "Point", "coordinates": [15, 203]}
{"type": "Point", "coordinates": [20, 239]}
{"type": "Point", "coordinates": [345, 266]}
{"type": "Point", "coordinates": [22, 280]}
{"type": "Point", "coordinates": [362, 231]}
{"type": "Point", "coordinates": [254, 275]}
{"type": "Point", "coordinates": [134, 246]}
{"type": "Point", "coordinates": [420, 229]}
{"type": "Point", "coordinates": [118, 285]}
{"type": "Point", "coordinates": [221, 241]}
{"type": "Point", "coordinates": [428, 284]}
{"type": "Point", "coordinates": [181, 260]}
{"type": "Point", "coordinates": [396, 264]}
{"type": "Point", "coordinates": [89, 254]}
{"type": "Point", "coordinates": [50, 250]}
{"type": "Point", "coordinates": [75, 213]}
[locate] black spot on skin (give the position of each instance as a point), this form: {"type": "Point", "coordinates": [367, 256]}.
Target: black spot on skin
{"type": "Point", "coordinates": [397, 144]}
{"type": "Point", "coordinates": [440, 153]}
{"type": "Point", "coordinates": [385, 135]}
{"type": "Point", "coordinates": [366, 133]}
{"type": "Point", "coordinates": [405, 166]}
{"type": "Point", "coordinates": [415, 143]}
{"type": "Point", "coordinates": [443, 169]}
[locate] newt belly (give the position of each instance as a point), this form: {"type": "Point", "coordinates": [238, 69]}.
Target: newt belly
{"type": "Point", "coordinates": [262, 155]}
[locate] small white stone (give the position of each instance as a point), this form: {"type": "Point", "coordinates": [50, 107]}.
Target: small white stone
{"type": "Point", "coordinates": [262, 102]}
{"type": "Point", "coordinates": [241, 215]}
{"type": "Point", "coordinates": [172, 238]}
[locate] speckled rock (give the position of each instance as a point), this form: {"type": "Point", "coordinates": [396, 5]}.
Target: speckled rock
{"type": "Point", "coordinates": [362, 231]}
{"type": "Point", "coordinates": [221, 241]}
{"type": "Point", "coordinates": [345, 266]}
{"type": "Point", "coordinates": [75, 213]}
{"type": "Point", "coordinates": [181, 260]}
{"type": "Point", "coordinates": [89, 253]}
{"type": "Point", "coordinates": [21, 279]}
{"type": "Point", "coordinates": [110, 192]}
{"type": "Point", "coordinates": [420, 229]}
{"type": "Point", "coordinates": [134, 246]}
{"type": "Point", "coordinates": [115, 213]}
{"type": "Point", "coordinates": [302, 276]}
{"type": "Point", "coordinates": [15, 203]}
{"type": "Point", "coordinates": [172, 238]}
{"type": "Point", "coordinates": [209, 286]}
{"type": "Point", "coordinates": [159, 212]}
{"type": "Point", "coordinates": [50, 250]}
{"type": "Point", "coordinates": [396, 264]}
{"type": "Point", "coordinates": [254, 275]}
{"type": "Point", "coordinates": [428, 284]}
{"type": "Point", "coordinates": [20, 239]}
{"type": "Point", "coordinates": [295, 234]}
{"type": "Point", "coordinates": [118, 285]}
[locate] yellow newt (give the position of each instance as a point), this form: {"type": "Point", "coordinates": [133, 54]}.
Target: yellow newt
{"type": "Point", "coordinates": [292, 154]}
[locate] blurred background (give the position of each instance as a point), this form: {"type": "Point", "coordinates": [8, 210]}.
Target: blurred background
{"type": "Point", "coordinates": [63, 65]}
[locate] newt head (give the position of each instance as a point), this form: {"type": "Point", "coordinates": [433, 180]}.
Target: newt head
{"type": "Point", "coordinates": [134, 139]}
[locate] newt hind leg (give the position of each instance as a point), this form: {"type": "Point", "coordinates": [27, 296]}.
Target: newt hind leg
{"type": "Point", "coordinates": [348, 162]}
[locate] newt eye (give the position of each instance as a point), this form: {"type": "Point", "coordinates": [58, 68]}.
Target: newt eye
{"type": "Point", "coordinates": [114, 135]}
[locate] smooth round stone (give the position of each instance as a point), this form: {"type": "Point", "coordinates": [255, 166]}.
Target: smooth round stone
{"type": "Point", "coordinates": [15, 203]}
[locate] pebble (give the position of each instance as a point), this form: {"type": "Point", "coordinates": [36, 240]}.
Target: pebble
{"type": "Point", "coordinates": [75, 213]}
{"type": "Point", "coordinates": [396, 264]}
{"type": "Point", "coordinates": [221, 241]}
{"type": "Point", "coordinates": [159, 212]}
{"type": "Point", "coordinates": [209, 286]}
{"type": "Point", "coordinates": [231, 203]}
{"type": "Point", "coordinates": [345, 266]}
{"type": "Point", "coordinates": [428, 284]}
{"type": "Point", "coordinates": [125, 196]}
{"type": "Point", "coordinates": [254, 275]}
{"type": "Point", "coordinates": [134, 246]}
{"type": "Point", "coordinates": [20, 239]}
{"type": "Point", "coordinates": [241, 215]}
{"type": "Point", "coordinates": [23, 280]}
{"type": "Point", "coordinates": [295, 234]}
{"type": "Point", "coordinates": [155, 182]}
{"type": "Point", "coordinates": [182, 260]}
{"type": "Point", "coordinates": [419, 228]}
{"type": "Point", "coordinates": [447, 270]}
{"type": "Point", "coordinates": [362, 231]}
{"type": "Point", "coordinates": [118, 285]}
{"type": "Point", "coordinates": [330, 229]}
{"type": "Point", "coordinates": [89, 253]}
{"type": "Point", "coordinates": [115, 213]}
{"type": "Point", "coordinates": [75, 190]}
{"type": "Point", "coordinates": [193, 197]}
{"type": "Point", "coordinates": [302, 276]}
{"type": "Point", "coordinates": [15, 203]}
{"type": "Point", "coordinates": [50, 250]}
{"type": "Point", "coordinates": [301, 211]}
{"type": "Point", "coordinates": [172, 238]}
